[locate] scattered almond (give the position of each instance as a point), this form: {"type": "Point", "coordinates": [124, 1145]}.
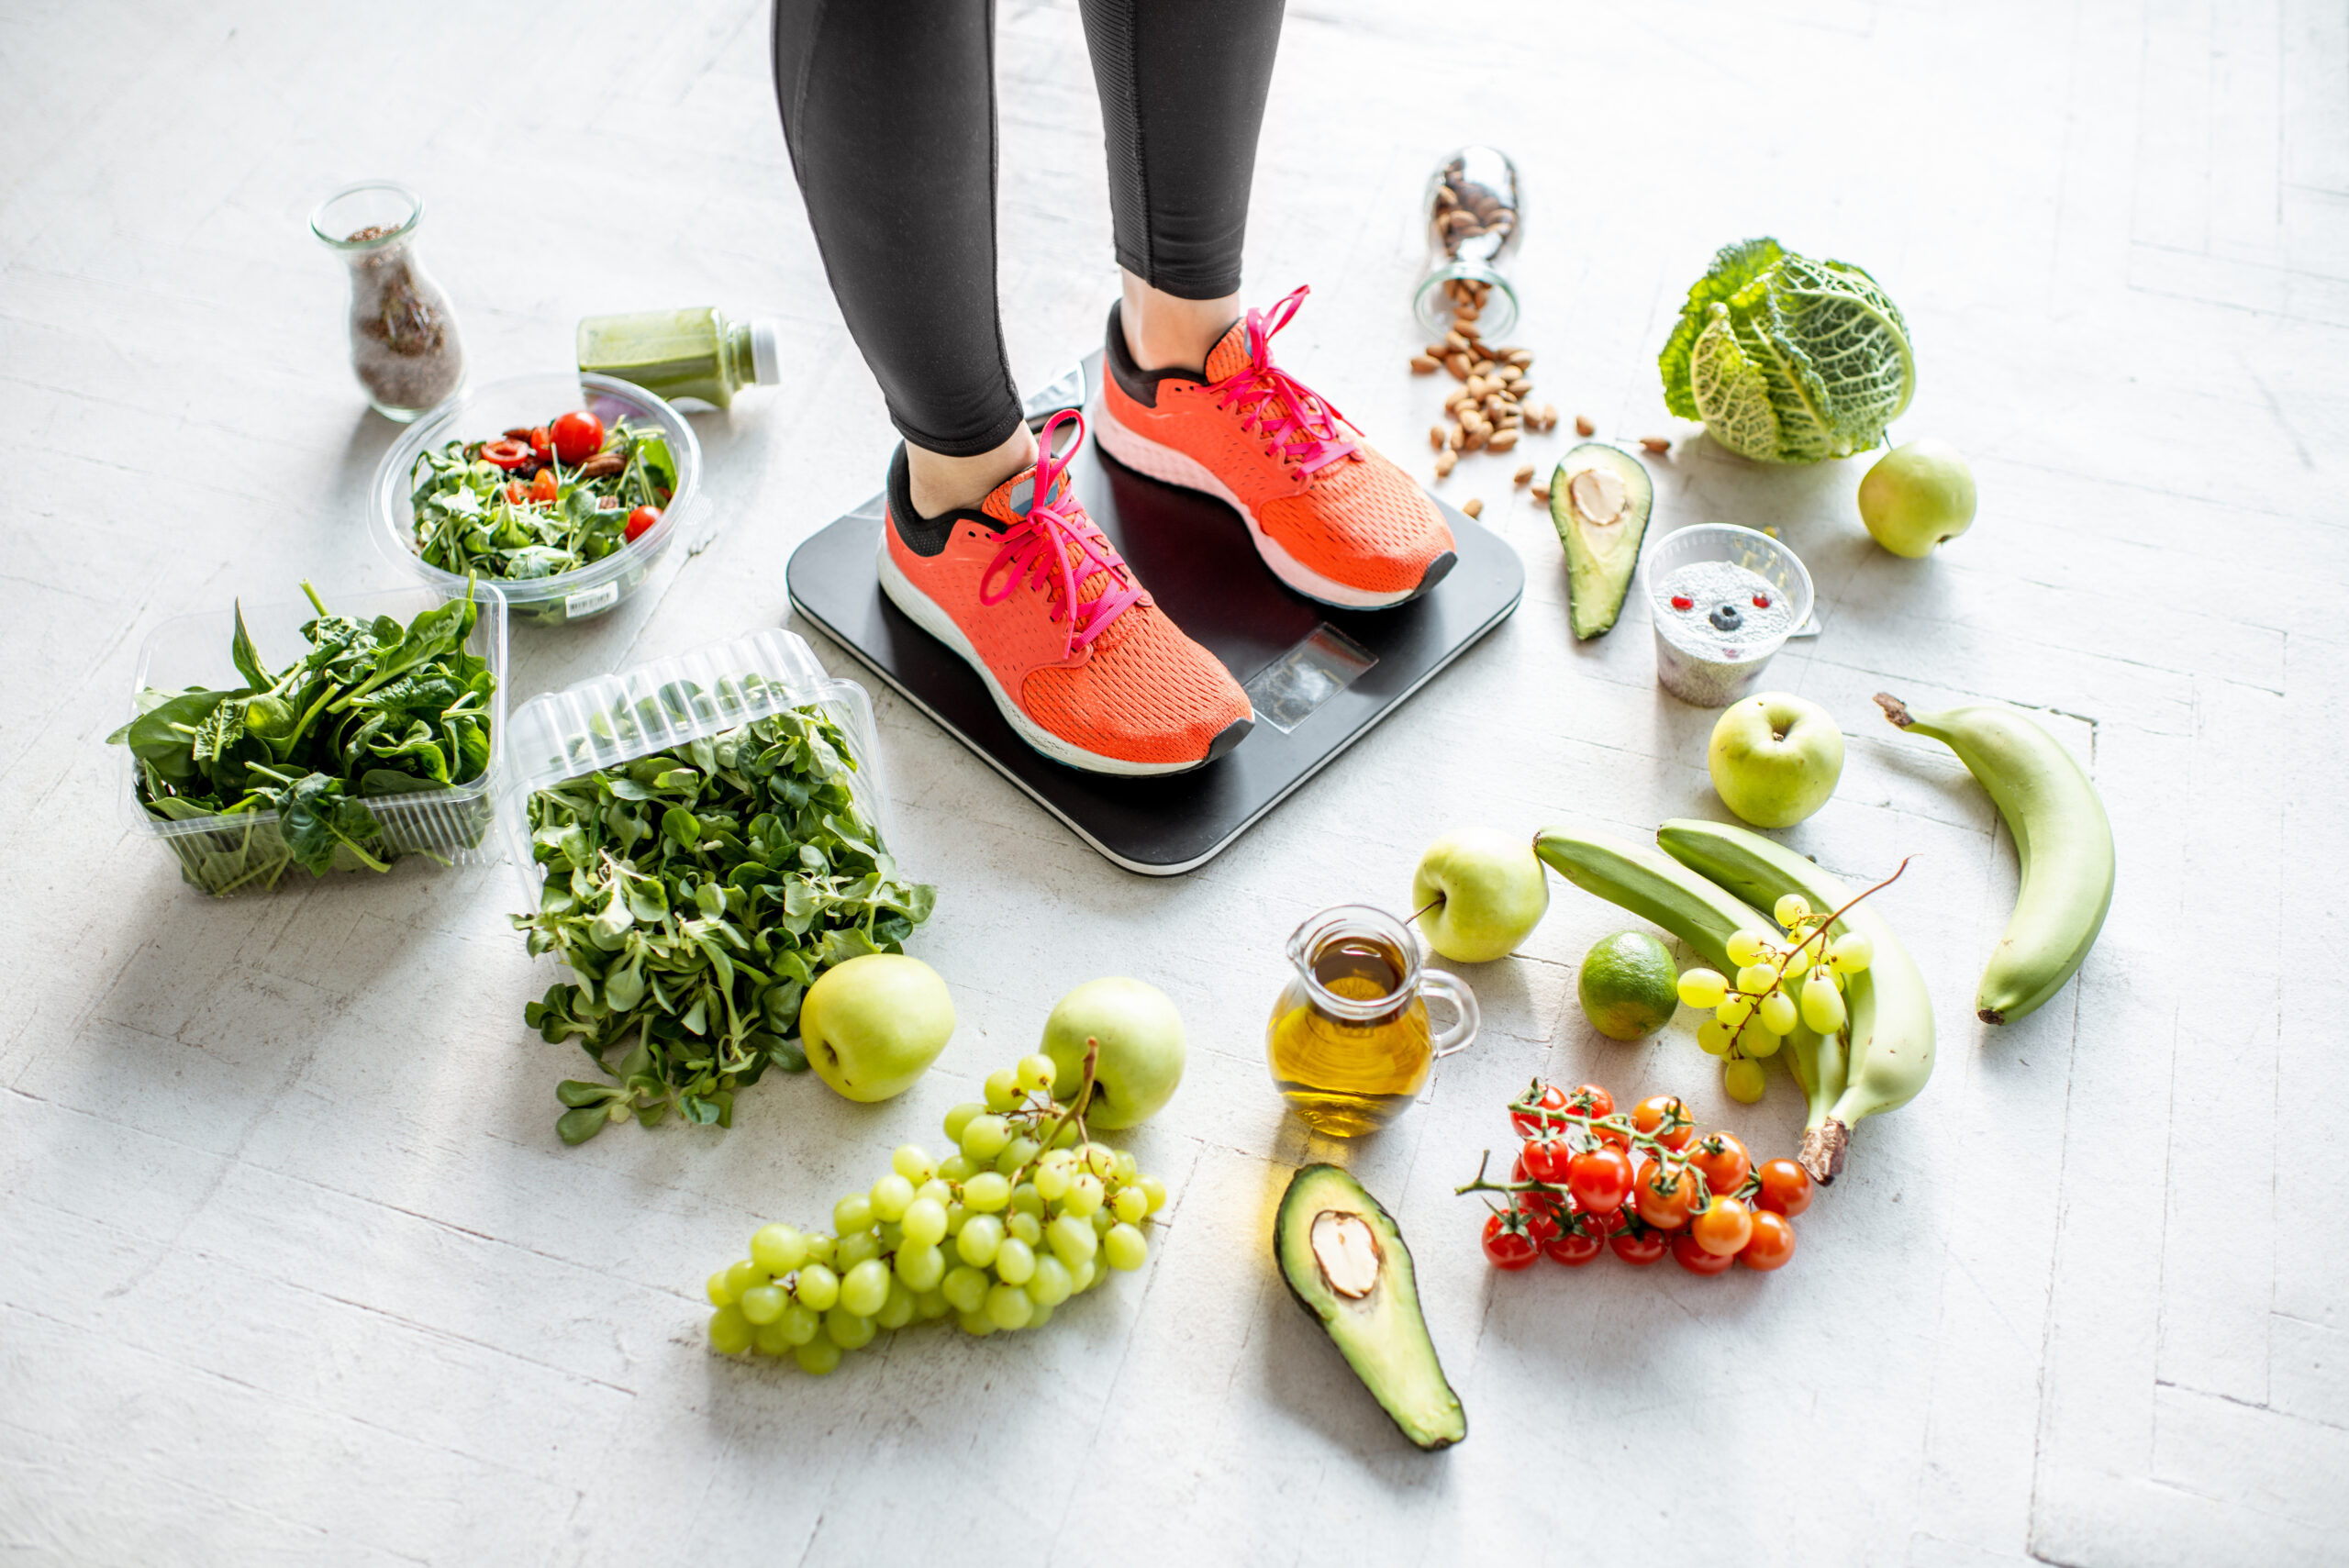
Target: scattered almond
{"type": "Point", "coordinates": [1540, 494]}
{"type": "Point", "coordinates": [1443, 461]}
{"type": "Point", "coordinates": [1656, 444]}
{"type": "Point", "coordinates": [1423, 365]}
{"type": "Point", "coordinates": [1523, 475]}
{"type": "Point", "coordinates": [1583, 427]}
{"type": "Point", "coordinates": [1520, 358]}
{"type": "Point", "coordinates": [1502, 441]}
{"type": "Point", "coordinates": [1474, 508]}
{"type": "Point", "coordinates": [1457, 363]}
{"type": "Point", "coordinates": [1435, 437]}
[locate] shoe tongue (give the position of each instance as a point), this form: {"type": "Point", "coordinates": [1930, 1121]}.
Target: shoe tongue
{"type": "Point", "coordinates": [1229, 356]}
{"type": "Point", "coordinates": [1008, 503]}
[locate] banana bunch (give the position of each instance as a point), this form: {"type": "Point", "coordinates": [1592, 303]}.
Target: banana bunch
{"type": "Point", "coordinates": [1714, 880]}
{"type": "Point", "coordinates": [2062, 839]}
{"type": "Point", "coordinates": [1887, 1046]}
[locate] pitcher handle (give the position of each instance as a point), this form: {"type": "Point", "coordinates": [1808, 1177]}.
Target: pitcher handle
{"type": "Point", "coordinates": [1452, 989]}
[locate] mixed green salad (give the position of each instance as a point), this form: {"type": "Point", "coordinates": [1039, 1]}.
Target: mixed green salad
{"type": "Point", "coordinates": [696, 892]}
{"type": "Point", "coordinates": [543, 500]}
{"type": "Point", "coordinates": [373, 708]}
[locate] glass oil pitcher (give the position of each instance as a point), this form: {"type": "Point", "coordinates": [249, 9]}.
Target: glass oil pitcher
{"type": "Point", "coordinates": [1350, 1042]}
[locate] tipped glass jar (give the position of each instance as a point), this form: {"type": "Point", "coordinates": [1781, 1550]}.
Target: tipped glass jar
{"type": "Point", "coordinates": [404, 343]}
{"type": "Point", "coordinates": [1472, 222]}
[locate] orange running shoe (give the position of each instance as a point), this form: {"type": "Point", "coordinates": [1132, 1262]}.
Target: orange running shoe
{"type": "Point", "coordinates": [1331, 517]}
{"type": "Point", "coordinates": [1082, 661]}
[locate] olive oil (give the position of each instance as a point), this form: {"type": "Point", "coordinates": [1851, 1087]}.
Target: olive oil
{"type": "Point", "coordinates": [1348, 1075]}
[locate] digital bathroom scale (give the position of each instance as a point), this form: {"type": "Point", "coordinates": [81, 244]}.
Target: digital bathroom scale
{"type": "Point", "coordinates": [1319, 677]}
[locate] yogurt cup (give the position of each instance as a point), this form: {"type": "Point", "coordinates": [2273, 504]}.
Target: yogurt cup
{"type": "Point", "coordinates": [1748, 593]}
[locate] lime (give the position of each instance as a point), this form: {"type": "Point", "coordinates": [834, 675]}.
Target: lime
{"type": "Point", "coordinates": [1628, 986]}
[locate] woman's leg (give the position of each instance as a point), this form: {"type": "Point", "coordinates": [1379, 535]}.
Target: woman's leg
{"type": "Point", "coordinates": [888, 108]}
{"type": "Point", "coordinates": [1182, 91]}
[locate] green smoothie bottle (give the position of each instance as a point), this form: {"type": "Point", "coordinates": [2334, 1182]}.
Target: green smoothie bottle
{"type": "Point", "coordinates": [682, 353]}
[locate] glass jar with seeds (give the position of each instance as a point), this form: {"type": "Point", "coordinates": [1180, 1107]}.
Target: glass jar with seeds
{"type": "Point", "coordinates": [404, 343]}
{"type": "Point", "coordinates": [1473, 216]}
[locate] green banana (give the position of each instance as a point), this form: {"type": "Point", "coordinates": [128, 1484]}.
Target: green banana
{"type": "Point", "coordinates": [1817, 1061]}
{"type": "Point", "coordinates": [1653, 886]}
{"type": "Point", "coordinates": [2062, 839]}
{"type": "Point", "coordinates": [1890, 1015]}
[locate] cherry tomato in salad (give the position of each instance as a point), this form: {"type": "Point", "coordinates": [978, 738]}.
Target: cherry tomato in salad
{"type": "Point", "coordinates": [1551, 1098]}
{"type": "Point", "coordinates": [1665, 1119]}
{"type": "Point", "coordinates": [1695, 1260]}
{"type": "Point", "coordinates": [505, 453]}
{"type": "Point", "coordinates": [1600, 1180]}
{"type": "Point", "coordinates": [578, 436]}
{"type": "Point", "coordinates": [1639, 1248]}
{"type": "Point", "coordinates": [1590, 1100]}
{"type": "Point", "coordinates": [1546, 1158]}
{"type": "Point", "coordinates": [1786, 1187]}
{"type": "Point", "coordinates": [1724, 1162]}
{"type": "Point", "coordinates": [1773, 1243]}
{"type": "Point", "coordinates": [514, 491]}
{"type": "Point", "coordinates": [640, 523]}
{"type": "Point", "coordinates": [1507, 1244]}
{"type": "Point", "coordinates": [1725, 1227]}
{"type": "Point", "coordinates": [543, 442]}
{"type": "Point", "coordinates": [1571, 1250]}
{"type": "Point", "coordinates": [546, 488]}
{"type": "Point", "coordinates": [1663, 1197]}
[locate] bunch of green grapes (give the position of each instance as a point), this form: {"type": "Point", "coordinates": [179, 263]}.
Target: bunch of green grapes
{"type": "Point", "coordinates": [1027, 1213]}
{"type": "Point", "coordinates": [1754, 1015]}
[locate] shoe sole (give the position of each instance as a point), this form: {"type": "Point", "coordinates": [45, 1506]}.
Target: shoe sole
{"type": "Point", "coordinates": [927, 614]}
{"type": "Point", "coordinates": [1161, 461]}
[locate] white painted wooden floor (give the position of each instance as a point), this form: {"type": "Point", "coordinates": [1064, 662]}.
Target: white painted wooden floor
{"type": "Point", "coordinates": [292, 1268]}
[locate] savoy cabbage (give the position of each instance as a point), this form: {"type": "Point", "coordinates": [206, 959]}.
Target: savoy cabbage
{"type": "Point", "coordinates": [1788, 359]}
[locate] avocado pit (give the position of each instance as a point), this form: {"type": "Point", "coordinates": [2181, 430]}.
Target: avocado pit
{"type": "Point", "coordinates": [1347, 1253]}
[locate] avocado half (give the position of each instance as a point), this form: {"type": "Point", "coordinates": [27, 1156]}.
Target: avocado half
{"type": "Point", "coordinates": [1599, 500]}
{"type": "Point", "coordinates": [1346, 1264]}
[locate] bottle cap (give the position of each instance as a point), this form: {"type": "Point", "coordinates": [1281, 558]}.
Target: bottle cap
{"type": "Point", "coordinates": [766, 351]}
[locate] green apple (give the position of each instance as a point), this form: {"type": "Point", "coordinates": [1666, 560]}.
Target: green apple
{"type": "Point", "coordinates": [1488, 891]}
{"type": "Point", "coordinates": [875, 1024]}
{"type": "Point", "coordinates": [1917, 497]}
{"type": "Point", "coordinates": [1775, 758]}
{"type": "Point", "coordinates": [1140, 1036]}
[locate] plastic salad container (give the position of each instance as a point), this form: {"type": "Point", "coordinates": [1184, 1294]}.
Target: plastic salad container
{"type": "Point", "coordinates": [246, 852]}
{"type": "Point", "coordinates": [488, 411]}
{"type": "Point", "coordinates": [608, 721]}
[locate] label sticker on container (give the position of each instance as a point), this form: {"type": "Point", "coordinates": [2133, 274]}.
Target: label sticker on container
{"type": "Point", "coordinates": [587, 601]}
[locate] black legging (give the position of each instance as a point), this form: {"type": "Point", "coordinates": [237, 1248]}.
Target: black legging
{"type": "Point", "coordinates": [884, 103]}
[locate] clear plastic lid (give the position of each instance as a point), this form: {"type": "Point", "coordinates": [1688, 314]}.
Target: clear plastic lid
{"type": "Point", "coordinates": [606, 721]}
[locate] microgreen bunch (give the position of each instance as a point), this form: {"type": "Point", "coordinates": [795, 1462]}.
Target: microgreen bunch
{"type": "Point", "coordinates": [696, 892]}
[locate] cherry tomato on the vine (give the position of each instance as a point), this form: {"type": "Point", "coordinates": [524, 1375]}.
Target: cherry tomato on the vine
{"type": "Point", "coordinates": [1665, 1119]}
{"type": "Point", "coordinates": [1546, 1158]}
{"type": "Point", "coordinates": [504, 452]}
{"type": "Point", "coordinates": [545, 486]}
{"type": "Point", "coordinates": [1571, 1249]}
{"type": "Point", "coordinates": [1773, 1243]}
{"type": "Point", "coordinates": [1600, 1180]}
{"type": "Point", "coordinates": [1663, 1197]}
{"type": "Point", "coordinates": [1640, 1248]}
{"type": "Point", "coordinates": [1507, 1244]}
{"type": "Point", "coordinates": [1550, 1099]}
{"type": "Point", "coordinates": [1723, 1159]}
{"type": "Point", "coordinates": [1725, 1227]}
{"type": "Point", "coordinates": [1590, 1100]}
{"type": "Point", "coordinates": [639, 522]}
{"type": "Point", "coordinates": [1786, 1187]}
{"type": "Point", "coordinates": [578, 436]}
{"type": "Point", "coordinates": [1695, 1260]}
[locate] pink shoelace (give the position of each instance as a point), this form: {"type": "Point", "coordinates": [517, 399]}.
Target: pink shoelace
{"type": "Point", "coordinates": [1058, 548]}
{"type": "Point", "coordinates": [1301, 424]}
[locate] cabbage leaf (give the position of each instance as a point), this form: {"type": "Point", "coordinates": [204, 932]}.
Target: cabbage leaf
{"type": "Point", "coordinates": [1788, 359]}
